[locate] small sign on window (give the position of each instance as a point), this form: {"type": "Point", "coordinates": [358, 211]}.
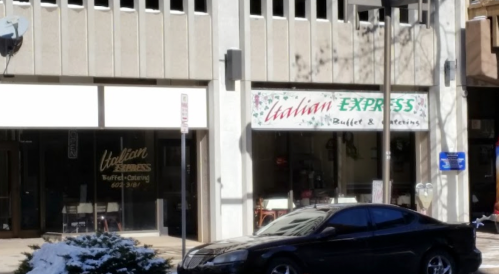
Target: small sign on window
{"type": "Point", "coordinates": [72, 144]}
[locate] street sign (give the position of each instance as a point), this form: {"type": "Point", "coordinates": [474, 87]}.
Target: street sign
{"type": "Point", "coordinates": [184, 129]}
{"type": "Point", "coordinates": [452, 161]}
{"type": "Point", "coordinates": [184, 126]}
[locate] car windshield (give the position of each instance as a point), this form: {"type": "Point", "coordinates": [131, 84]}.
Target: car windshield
{"type": "Point", "coordinates": [298, 223]}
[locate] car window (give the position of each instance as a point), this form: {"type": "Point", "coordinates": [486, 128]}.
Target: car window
{"type": "Point", "coordinates": [297, 223]}
{"type": "Point", "coordinates": [350, 221]}
{"type": "Point", "coordinates": [385, 218]}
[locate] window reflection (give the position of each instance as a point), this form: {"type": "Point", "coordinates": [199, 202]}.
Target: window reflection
{"type": "Point", "coordinates": [125, 181]}
{"type": "Point", "coordinates": [116, 167]}
{"type": "Point", "coordinates": [68, 182]}
{"type": "Point", "coordinates": [350, 221]}
{"type": "Point", "coordinates": [298, 223]}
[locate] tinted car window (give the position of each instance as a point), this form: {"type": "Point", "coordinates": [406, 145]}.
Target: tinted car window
{"type": "Point", "coordinates": [350, 221]}
{"type": "Point", "coordinates": [385, 218]}
{"type": "Point", "coordinates": [298, 223]}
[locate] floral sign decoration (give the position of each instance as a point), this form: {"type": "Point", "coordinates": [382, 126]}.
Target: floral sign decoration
{"type": "Point", "coordinates": [301, 110]}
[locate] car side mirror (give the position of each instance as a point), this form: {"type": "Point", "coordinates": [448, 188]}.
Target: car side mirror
{"type": "Point", "coordinates": [328, 232]}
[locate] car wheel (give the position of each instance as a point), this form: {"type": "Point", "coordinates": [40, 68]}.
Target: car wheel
{"type": "Point", "coordinates": [283, 266]}
{"type": "Point", "coordinates": [438, 262]}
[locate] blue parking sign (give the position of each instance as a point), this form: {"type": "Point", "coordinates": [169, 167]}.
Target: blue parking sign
{"type": "Point", "coordinates": [452, 161]}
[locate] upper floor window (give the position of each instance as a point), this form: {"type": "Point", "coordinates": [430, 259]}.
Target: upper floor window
{"type": "Point", "coordinates": [404, 15]}
{"type": "Point", "coordinates": [256, 7]}
{"type": "Point", "coordinates": [101, 3]}
{"type": "Point", "coordinates": [49, 1]}
{"type": "Point", "coordinates": [364, 16]}
{"type": "Point", "coordinates": [425, 16]}
{"type": "Point", "coordinates": [200, 6]}
{"type": "Point", "coordinates": [177, 5]}
{"type": "Point", "coordinates": [278, 8]}
{"type": "Point", "coordinates": [300, 9]}
{"type": "Point", "coordinates": [341, 9]}
{"type": "Point", "coordinates": [152, 4]}
{"type": "Point", "coordinates": [75, 2]}
{"type": "Point", "coordinates": [322, 9]}
{"type": "Point", "coordinates": [126, 4]}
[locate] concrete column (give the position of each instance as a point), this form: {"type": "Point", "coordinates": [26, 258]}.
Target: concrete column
{"type": "Point", "coordinates": [246, 113]}
{"type": "Point", "coordinates": [448, 119]}
{"type": "Point", "coordinates": [231, 206]}
{"type": "Point", "coordinates": [423, 166]}
{"type": "Point", "coordinates": [203, 186]}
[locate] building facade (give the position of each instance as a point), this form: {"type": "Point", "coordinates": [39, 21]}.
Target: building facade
{"type": "Point", "coordinates": [482, 84]}
{"type": "Point", "coordinates": [91, 124]}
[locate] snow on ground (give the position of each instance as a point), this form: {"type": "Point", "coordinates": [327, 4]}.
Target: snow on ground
{"type": "Point", "coordinates": [53, 258]}
{"type": "Point", "coordinates": [50, 258]}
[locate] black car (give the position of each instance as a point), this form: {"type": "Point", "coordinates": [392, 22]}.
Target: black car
{"type": "Point", "coordinates": [343, 239]}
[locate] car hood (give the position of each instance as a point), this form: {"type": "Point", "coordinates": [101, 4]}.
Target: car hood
{"type": "Point", "coordinates": [239, 243]}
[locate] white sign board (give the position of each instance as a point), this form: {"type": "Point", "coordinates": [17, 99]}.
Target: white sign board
{"type": "Point", "coordinates": [184, 126]}
{"type": "Point", "coordinates": [377, 197]}
{"type": "Point", "coordinates": [377, 191]}
{"type": "Point", "coordinates": [327, 110]}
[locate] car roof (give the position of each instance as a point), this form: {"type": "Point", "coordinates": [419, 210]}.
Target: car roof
{"type": "Point", "coordinates": [343, 206]}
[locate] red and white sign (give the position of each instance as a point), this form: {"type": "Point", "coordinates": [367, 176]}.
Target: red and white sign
{"type": "Point", "coordinates": [184, 122]}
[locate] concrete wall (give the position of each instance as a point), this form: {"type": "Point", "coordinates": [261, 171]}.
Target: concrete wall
{"type": "Point", "coordinates": [139, 43]}
{"type": "Point", "coordinates": [308, 49]}
{"type": "Point", "coordinates": [69, 40]}
{"type": "Point", "coordinates": [329, 51]}
{"type": "Point", "coordinates": [448, 115]}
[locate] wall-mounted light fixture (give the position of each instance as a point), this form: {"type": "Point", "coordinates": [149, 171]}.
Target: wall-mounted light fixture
{"type": "Point", "coordinates": [234, 65]}
{"type": "Point", "coordinates": [449, 71]}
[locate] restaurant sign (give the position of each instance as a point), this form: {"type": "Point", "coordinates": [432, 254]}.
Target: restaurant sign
{"type": "Point", "coordinates": [128, 169]}
{"type": "Point", "coordinates": [349, 110]}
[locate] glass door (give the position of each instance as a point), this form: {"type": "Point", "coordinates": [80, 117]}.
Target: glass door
{"type": "Point", "coordinates": [169, 178]}
{"type": "Point", "coordinates": [9, 190]}
{"type": "Point", "coordinates": [482, 178]}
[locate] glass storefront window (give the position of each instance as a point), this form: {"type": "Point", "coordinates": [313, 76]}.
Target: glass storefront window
{"type": "Point", "coordinates": [29, 149]}
{"type": "Point", "coordinates": [169, 165]}
{"type": "Point", "coordinates": [69, 182]}
{"type": "Point", "coordinates": [326, 167]}
{"type": "Point", "coordinates": [82, 181]}
{"type": "Point", "coordinates": [125, 181]}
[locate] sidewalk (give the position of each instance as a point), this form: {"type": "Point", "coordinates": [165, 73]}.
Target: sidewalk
{"type": "Point", "coordinates": [488, 243]}
{"type": "Point", "coordinates": [11, 250]}
{"type": "Point", "coordinates": [170, 247]}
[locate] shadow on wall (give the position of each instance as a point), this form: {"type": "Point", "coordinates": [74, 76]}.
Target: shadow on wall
{"type": "Point", "coordinates": [449, 209]}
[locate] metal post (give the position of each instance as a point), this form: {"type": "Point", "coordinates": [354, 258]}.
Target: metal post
{"type": "Point", "coordinates": [183, 194]}
{"type": "Point", "coordinates": [420, 11]}
{"type": "Point", "coordinates": [122, 192]}
{"type": "Point", "coordinates": [290, 165]}
{"type": "Point", "coordinates": [386, 107]}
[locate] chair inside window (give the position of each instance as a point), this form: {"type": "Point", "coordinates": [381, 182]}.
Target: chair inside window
{"type": "Point", "coordinates": [264, 214]}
